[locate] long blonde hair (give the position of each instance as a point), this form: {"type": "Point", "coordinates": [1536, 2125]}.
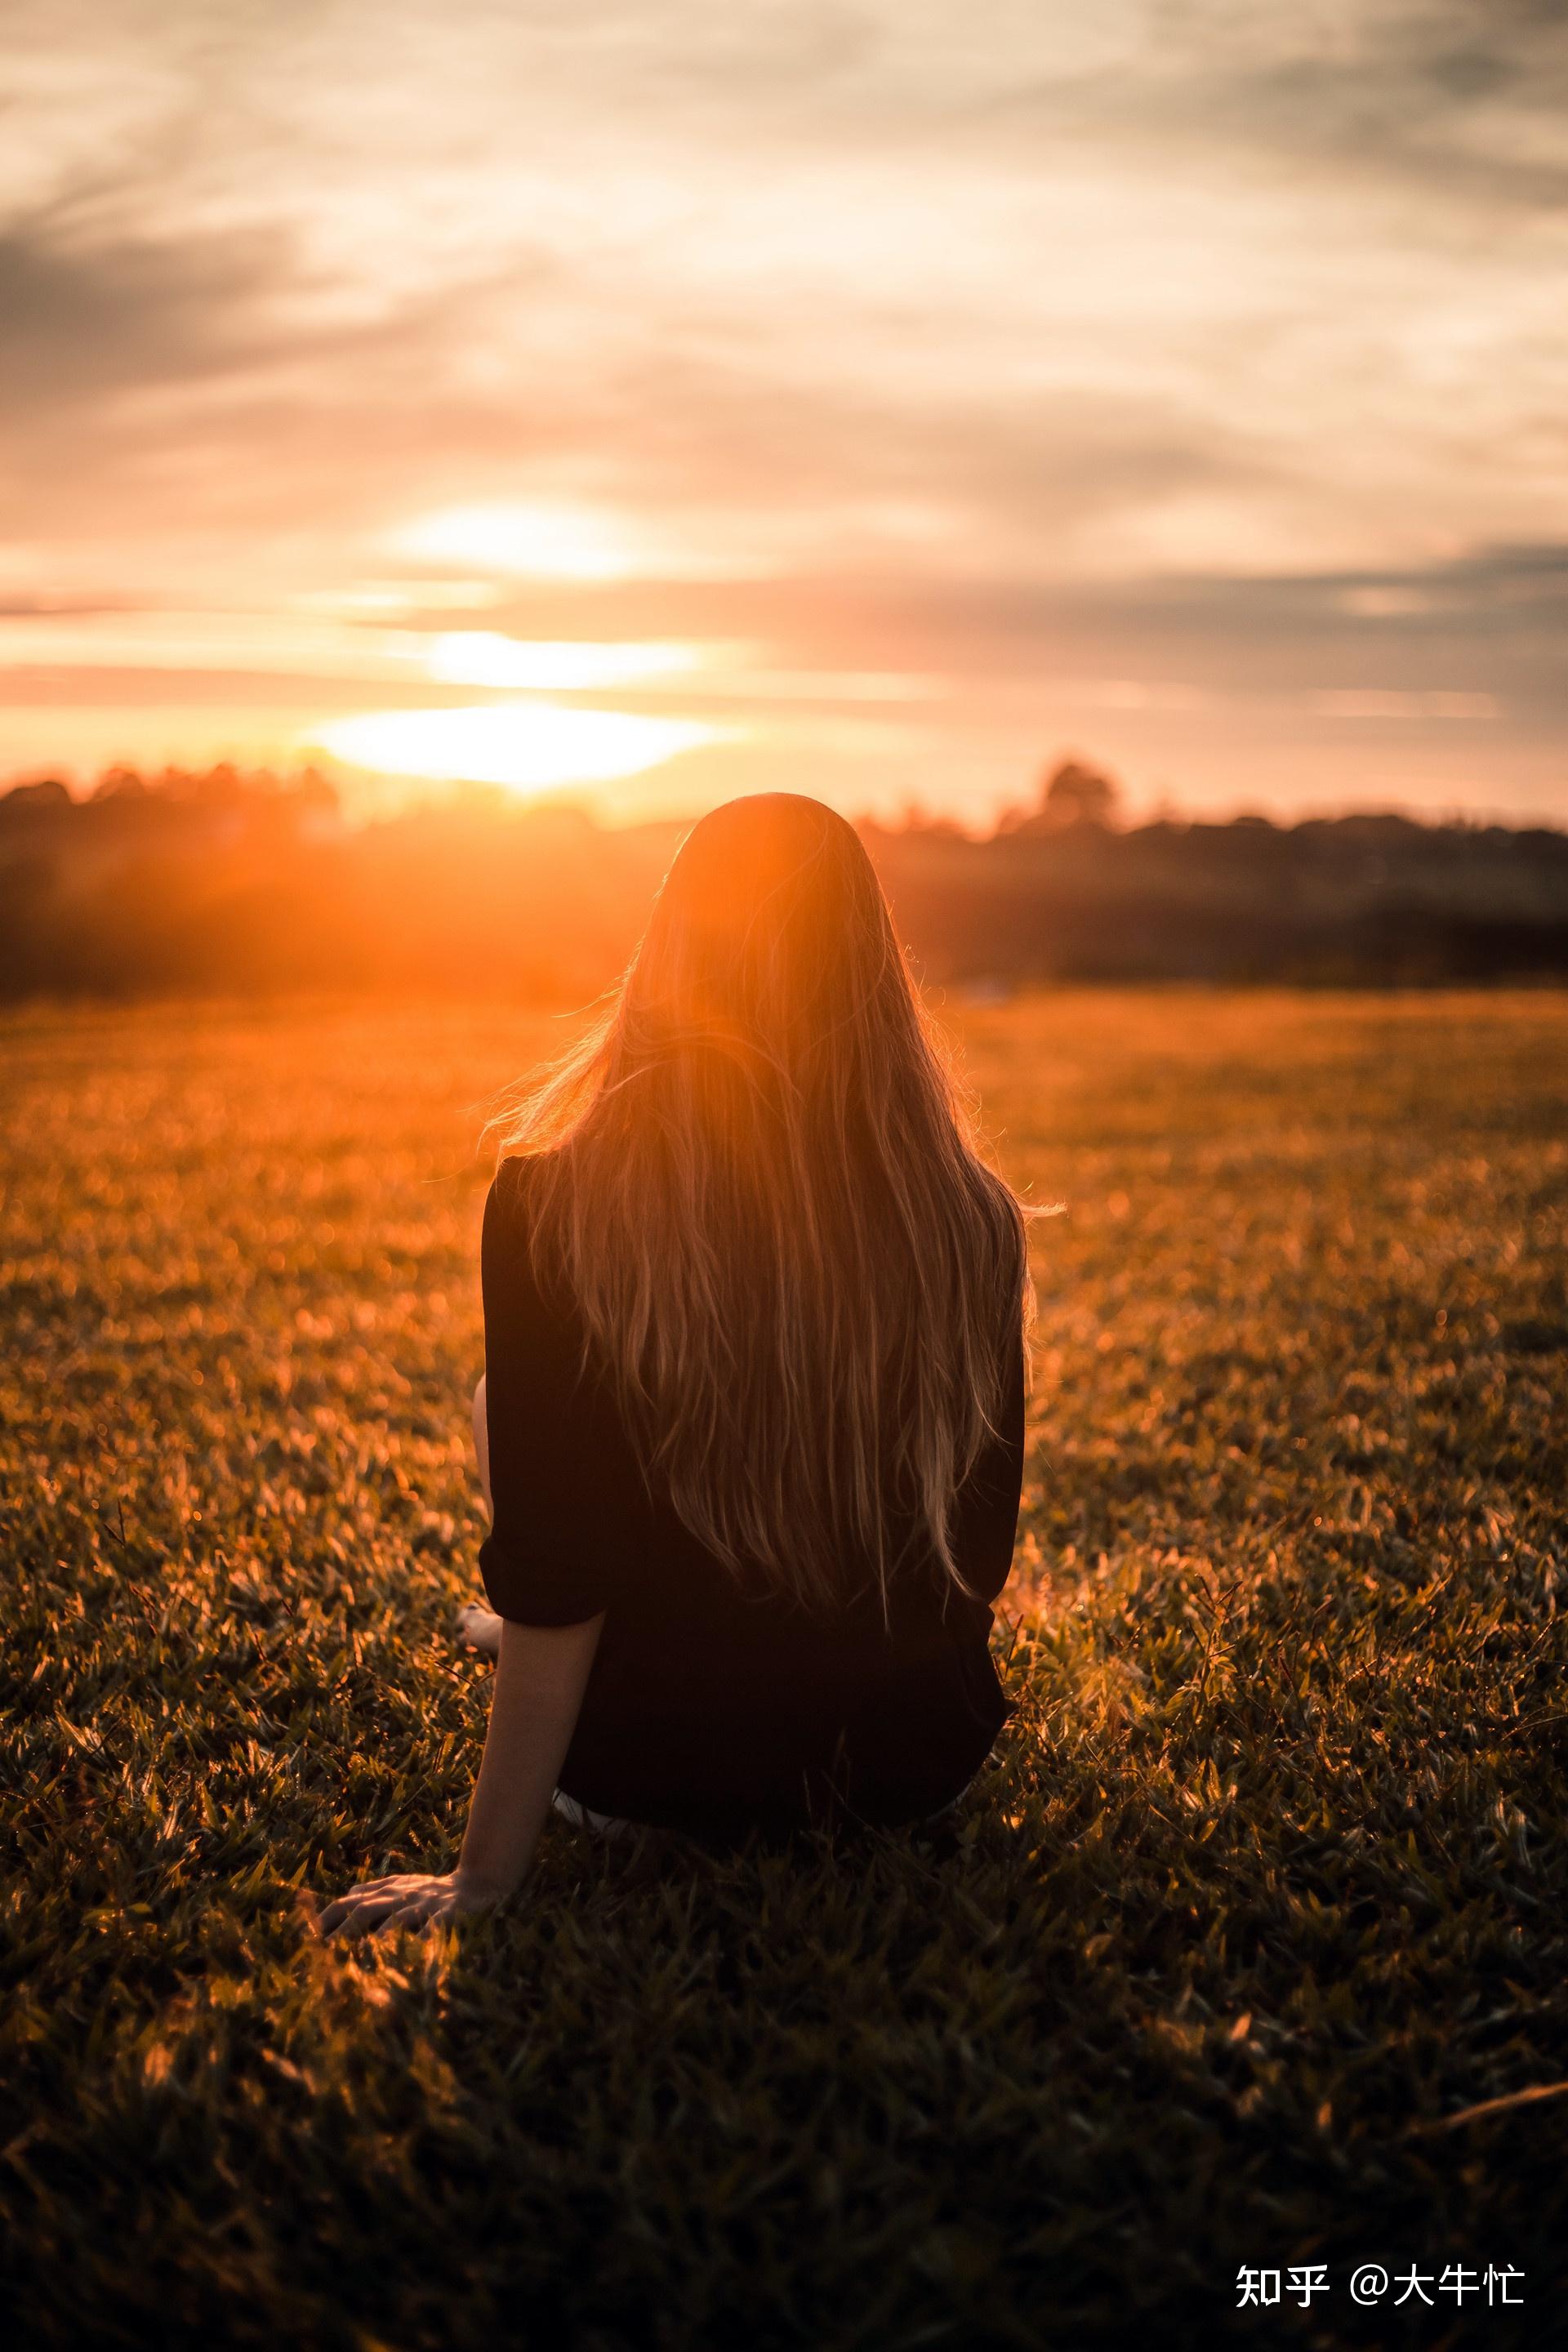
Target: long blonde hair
{"type": "Point", "coordinates": [760, 1181]}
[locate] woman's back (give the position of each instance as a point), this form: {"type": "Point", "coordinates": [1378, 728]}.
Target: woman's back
{"type": "Point", "coordinates": [718, 1700]}
{"type": "Point", "coordinates": [758, 1181]}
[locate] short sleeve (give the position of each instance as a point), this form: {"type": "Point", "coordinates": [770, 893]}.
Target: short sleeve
{"type": "Point", "coordinates": [568, 1498]}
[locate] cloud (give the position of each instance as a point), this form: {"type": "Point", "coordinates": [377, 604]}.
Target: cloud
{"type": "Point", "coordinates": [1168, 341]}
{"type": "Point", "coordinates": [85, 323]}
{"type": "Point", "coordinates": [1463, 105]}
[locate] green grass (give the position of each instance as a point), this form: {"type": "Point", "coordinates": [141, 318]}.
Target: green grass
{"type": "Point", "coordinates": [1267, 1887]}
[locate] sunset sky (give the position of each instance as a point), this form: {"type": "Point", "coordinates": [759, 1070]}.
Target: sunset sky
{"type": "Point", "coordinates": [878, 400]}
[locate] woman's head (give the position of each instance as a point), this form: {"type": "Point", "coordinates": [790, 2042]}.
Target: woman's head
{"type": "Point", "coordinates": [760, 1182]}
{"type": "Point", "coordinates": [770, 937]}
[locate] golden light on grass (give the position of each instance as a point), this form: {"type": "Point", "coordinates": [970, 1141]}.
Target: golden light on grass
{"type": "Point", "coordinates": [528, 746]}
{"type": "Point", "coordinates": [1313, 1497]}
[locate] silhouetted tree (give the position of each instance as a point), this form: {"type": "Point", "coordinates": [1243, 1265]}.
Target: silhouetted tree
{"type": "Point", "coordinates": [48, 798]}
{"type": "Point", "coordinates": [1072, 793]}
{"type": "Point", "coordinates": [1075, 795]}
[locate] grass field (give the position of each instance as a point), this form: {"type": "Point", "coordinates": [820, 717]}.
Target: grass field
{"type": "Point", "coordinates": [1266, 1891]}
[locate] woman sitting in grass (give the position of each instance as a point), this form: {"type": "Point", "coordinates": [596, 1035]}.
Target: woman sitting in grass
{"type": "Point", "coordinates": [752, 1424]}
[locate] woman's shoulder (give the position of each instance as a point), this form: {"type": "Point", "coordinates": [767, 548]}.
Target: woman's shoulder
{"type": "Point", "coordinates": [513, 1236]}
{"type": "Point", "coordinates": [519, 1182]}
{"type": "Point", "coordinates": [511, 1210]}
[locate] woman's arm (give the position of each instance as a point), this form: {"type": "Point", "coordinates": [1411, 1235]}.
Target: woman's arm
{"type": "Point", "coordinates": [541, 1675]}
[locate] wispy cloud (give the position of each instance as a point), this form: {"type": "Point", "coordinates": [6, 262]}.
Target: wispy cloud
{"type": "Point", "coordinates": [1164, 345]}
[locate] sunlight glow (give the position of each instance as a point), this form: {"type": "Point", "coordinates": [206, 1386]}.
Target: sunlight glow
{"type": "Point", "coordinates": [330, 646]}
{"type": "Point", "coordinates": [481, 658]}
{"type": "Point", "coordinates": [391, 599]}
{"type": "Point", "coordinates": [527, 746]}
{"type": "Point", "coordinates": [541, 539]}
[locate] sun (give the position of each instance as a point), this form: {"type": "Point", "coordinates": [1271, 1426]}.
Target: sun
{"type": "Point", "coordinates": [528, 746]}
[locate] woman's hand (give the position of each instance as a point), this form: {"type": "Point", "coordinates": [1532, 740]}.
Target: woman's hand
{"type": "Point", "coordinates": [413, 1900]}
{"type": "Point", "coordinates": [541, 1675]}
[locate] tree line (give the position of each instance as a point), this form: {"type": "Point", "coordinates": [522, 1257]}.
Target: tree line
{"type": "Point", "coordinates": [227, 882]}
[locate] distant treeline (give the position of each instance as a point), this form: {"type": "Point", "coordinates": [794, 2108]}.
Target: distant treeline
{"type": "Point", "coordinates": [228, 882]}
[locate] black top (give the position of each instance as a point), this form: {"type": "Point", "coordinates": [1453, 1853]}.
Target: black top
{"type": "Point", "coordinates": [708, 1707]}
